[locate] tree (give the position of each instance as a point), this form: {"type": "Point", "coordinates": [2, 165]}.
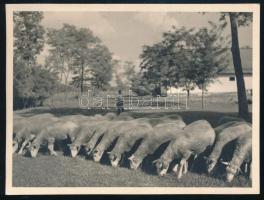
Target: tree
{"type": "Point", "coordinates": [124, 74]}
{"type": "Point", "coordinates": [209, 56]}
{"type": "Point", "coordinates": [185, 58]}
{"type": "Point", "coordinates": [140, 85]}
{"type": "Point", "coordinates": [79, 53]}
{"type": "Point", "coordinates": [155, 66]}
{"type": "Point", "coordinates": [129, 73]}
{"type": "Point", "coordinates": [68, 48]}
{"type": "Point", "coordinates": [28, 43]}
{"type": "Point", "coordinates": [100, 67]}
{"type": "Point", "coordinates": [236, 20]}
{"type": "Point", "coordinates": [28, 36]}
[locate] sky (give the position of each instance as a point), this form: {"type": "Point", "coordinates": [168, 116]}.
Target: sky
{"type": "Point", "coordinates": [124, 33]}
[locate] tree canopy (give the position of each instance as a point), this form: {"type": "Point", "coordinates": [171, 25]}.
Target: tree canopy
{"type": "Point", "coordinates": [79, 53]}
{"type": "Point", "coordinates": [32, 84]}
{"type": "Point", "coordinates": [185, 58]}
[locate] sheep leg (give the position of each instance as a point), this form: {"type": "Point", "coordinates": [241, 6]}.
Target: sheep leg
{"type": "Point", "coordinates": [182, 162]}
{"type": "Point", "coordinates": [23, 146]}
{"type": "Point", "coordinates": [185, 167]}
{"type": "Point", "coordinates": [51, 146]}
{"type": "Point", "coordinates": [185, 161]}
{"type": "Point", "coordinates": [246, 168]}
{"type": "Point", "coordinates": [175, 169]}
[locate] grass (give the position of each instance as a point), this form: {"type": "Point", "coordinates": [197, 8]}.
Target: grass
{"type": "Point", "coordinates": [63, 171]}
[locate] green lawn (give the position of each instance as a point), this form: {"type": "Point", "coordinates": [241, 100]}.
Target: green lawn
{"type": "Point", "coordinates": [51, 171]}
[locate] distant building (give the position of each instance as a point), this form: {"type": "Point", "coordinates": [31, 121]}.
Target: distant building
{"type": "Point", "coordinates": [226, 80]}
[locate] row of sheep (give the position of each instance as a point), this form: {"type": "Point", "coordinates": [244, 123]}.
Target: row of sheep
{"type": "Point", "coordinates": [117, 135]}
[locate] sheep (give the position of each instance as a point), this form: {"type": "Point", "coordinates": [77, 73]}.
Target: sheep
{"type": "Point", "coordinates": [26, 129]}
{"type": "Point", "coordinates": [110, 116]}
{"type": "Point", "coordinates": [164, 119]}
{"type": "Point", "coordinates": [133, 132]}
{"type": "Point", "coordinates": [60, 130]}
{"type": "Point", "coordinates": [82, 137]}
{"type": "Point", "coordinates": [113, 132]}
{"type": "Point", "coordinates": [242, 153]}
{"type": "Point", "coordinates": [98, 128]}
{"type": "Point", "coordinates": [225, 134]}
{"type": "Point", "coordinates": [161, 134]}
{"type": "Point", "coordinates": [86, 131]}
{"type": "Point", "coordinates": [226, 119]}
{"type": "Point", "coordinates": [78, 118]}
{"type": "Point", "coordinates": [192, 140]}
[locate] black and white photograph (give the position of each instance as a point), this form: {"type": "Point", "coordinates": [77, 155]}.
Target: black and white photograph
{"type": "Point", "coordinates": [132, 99]}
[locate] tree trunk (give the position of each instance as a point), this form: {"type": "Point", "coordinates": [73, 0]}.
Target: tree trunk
{"type": "Point", "coordinates": [241, 91]}
{"type": "Point", "coordinates": [202, 96]}
{"type": "Point", "coordinates": [82, 78]}
{"type": "Point", "coordinates": [188, 99]}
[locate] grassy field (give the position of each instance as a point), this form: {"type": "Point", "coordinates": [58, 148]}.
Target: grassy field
{"type": "Point", "coordinates": [61, 171]}
{"type": "Point", "coordinates": [48, 171]}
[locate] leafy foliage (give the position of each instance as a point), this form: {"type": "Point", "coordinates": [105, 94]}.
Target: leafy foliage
{"type": "Point", "coordinates": [32, 84]}
{"type": "Point", "coordinates": [124, 74]}
{"type": "Point", "coordinates": [79, 53]}
{"type": "Point", "coordinates": [185, 58]}
{"type": "Point", "coordinates": [28, 35]}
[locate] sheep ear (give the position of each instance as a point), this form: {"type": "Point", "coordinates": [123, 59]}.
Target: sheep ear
{"type": "Point", "coordinates": [154, 161]}
{"type": "Point", "coordinates": [225, 163]}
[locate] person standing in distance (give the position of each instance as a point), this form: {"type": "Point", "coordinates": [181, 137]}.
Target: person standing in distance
{"type": "Point", "coordinates": [120, 102]}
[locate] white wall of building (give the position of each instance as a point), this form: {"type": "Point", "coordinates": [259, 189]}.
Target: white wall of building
{"type": "Point", "coordinates": [220, 85]}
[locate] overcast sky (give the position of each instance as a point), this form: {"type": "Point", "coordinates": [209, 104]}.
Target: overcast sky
{"type": "Point", "coordinates": [124, 33]}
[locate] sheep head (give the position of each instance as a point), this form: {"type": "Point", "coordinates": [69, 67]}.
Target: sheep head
{"type": "Point", "coordinates": [34, 148]}
{"type": "Point", "coordinates": [210, 163]}
{"type": "Point", "coordinates": [114, 158]}
{"type": "Point", "coordinates": [88, 149]}
{"type": "Point", "coordinates": [134, 162]}
{"type": "Point", "coordinates": [74, 149]}
{"type": "Point", "coordinates": [162, 166]}
{"type": "Point", "coordinates": [97, 155]}
{"type": "Point", "coordinates": [231, 171]}
{"type": "Point", "coordinates": [15, 146]}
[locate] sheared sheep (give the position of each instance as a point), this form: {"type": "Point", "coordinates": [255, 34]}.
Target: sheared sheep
{"type": "Point", "coordinates": [83, 135]}
{"type": "Point", "coordinates": [86, 131]}
{"type": "Point", "coordinates": [192, 140]}
{"type": "Point", "coordinates": [133, 132]}
{"type": "Point", "coordinates": [127, 135]}
{"type": "Point", "coordinates": [161, 134]}
{"type": "Point", "coordinates": [154, 121]}
{"type": "Point", "coordinates": [26, 129]}
{"type": "Point", "coordinates": [225, 134]}
{"type": "Point", "coordinates": [98, 129]}
{"type": "Point", "coordinates": [58, 131]}
{"type": "Point", "coordinates": [114, 130]}
{"type": "Point", "coordinates": [242, 153]}
{"type": "Point", "coordinates": [227, 119]}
